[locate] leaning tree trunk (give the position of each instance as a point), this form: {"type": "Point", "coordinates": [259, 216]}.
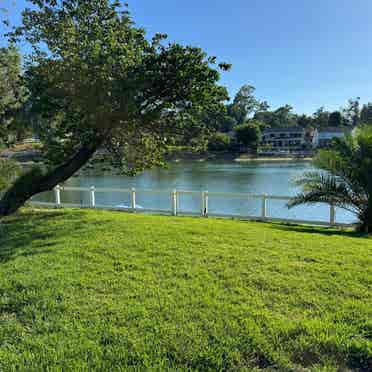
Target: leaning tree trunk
{"type": "Point", "coordinates": [366, 219]}
{"type": "Point", "coordinates": [35, 181]}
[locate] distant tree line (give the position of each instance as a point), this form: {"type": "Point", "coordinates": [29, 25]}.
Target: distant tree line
{"type": "Point", "coordinates": [246, 117]}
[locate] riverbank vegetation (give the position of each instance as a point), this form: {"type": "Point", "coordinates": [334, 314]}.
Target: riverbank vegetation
{"type": "Point", "coordinates": [254, 116]}
{"type": "Point", "coordinates": [239, 129]}
{"type": "Point", "coordinates": [344, 179]}
{"type": "Point", "coordinates": [98, 290]}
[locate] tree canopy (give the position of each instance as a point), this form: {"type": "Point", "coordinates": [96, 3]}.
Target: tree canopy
{"type": "Point", "coordinates": [352, 112]}
{"type": "Point", "coordinates": [13, 94]}
{"type": "Point", "coordinates": [249, 134]}
{"type": "Point", "coordinates": [245, 104]}
{"type": "Point", "coordinates": [335, 119]}
{"type": "Point", "coordinates": [97, 81]}
{"type": "Point", "coordinates": [366, 113]}
{"type": "Point", "coordinates": [219, 142]}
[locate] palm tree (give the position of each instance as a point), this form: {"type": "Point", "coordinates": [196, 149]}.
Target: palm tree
{"type": "Point", "coordinates": [344, 178]}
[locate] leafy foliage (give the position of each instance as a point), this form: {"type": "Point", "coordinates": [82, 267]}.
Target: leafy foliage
{"type": "Point", "coordinates": [13, 95]}
{"type": "Point", "coordinates": [352, 112]}
{"type": "Point", "coordinates": [244, 104]}
{"type": "Point", "coordinates": [248, 134]}
{"type": "Point", "coordinates": [321, 117]}
{"type": "Point", "coordinates": [366, 113]}
{"type": "Point", "coordinates": [97, 81]}
{"type": "Point", "coordinates": [9, 170]}
{"type": "Point", "coordinates": [335, 119]}
{"type": "Point", "coordinates": [219, 142]}
{"type": "Point", "coordinates": [345, 178]}
{"type": "Point", "coordinates": [103, 81]}
{"type": "Point", "coordinates": [281, 117]}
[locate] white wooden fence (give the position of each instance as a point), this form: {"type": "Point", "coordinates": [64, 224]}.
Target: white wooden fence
{"type": "Point", "coordinates": [175, 210]}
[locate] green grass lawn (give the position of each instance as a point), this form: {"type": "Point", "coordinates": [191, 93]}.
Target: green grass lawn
{"type": "Point", "coordinates": [96, 290]}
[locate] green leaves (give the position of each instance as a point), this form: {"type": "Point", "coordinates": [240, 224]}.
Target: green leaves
{"type": "Point", "coordinates": [244, 104]}
{"type": "Point", "coordinates": [13, 93]}
{"type": "Point", "coordinates": [248, 134]}
{"type": "Point", "coordinates": [9, 170]}
{"type": "Point", "coordinates": [345, 179]}
{"type": "Point", "coordinates": [93, 74]}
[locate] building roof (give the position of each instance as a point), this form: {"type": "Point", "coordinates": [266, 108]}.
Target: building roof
{"type": "Point", "coordinates": [284, 130]}
{"type": "Point", "coordinates": [333, 130]}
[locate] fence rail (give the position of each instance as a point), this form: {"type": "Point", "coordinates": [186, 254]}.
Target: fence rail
{"type": "Point", "coordinates": [174, 199]}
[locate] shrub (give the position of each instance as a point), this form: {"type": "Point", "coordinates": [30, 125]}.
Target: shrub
{"type": "Point", "coordinates": [248, 135]}
{"type": "Point", "coordinates": [219, 142]}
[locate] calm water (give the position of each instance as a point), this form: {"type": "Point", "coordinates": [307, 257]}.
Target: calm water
{"type": "Point", "coordinates": [219, 176]}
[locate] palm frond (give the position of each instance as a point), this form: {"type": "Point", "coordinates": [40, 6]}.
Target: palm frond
{"type": "Point", "coordinates": [345, 178]}
{"type": "Point", "coordinates": [321, 187]}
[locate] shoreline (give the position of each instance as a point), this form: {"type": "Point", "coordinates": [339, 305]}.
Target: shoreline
{"type": "Point", "coordinates": [27, 158]}
{"type": "Point", "coordinates": [233, 157]}
{"type": "Point", "coordinates": [204, 159]}
{"type": "Point", "coordinates": [273, 159]}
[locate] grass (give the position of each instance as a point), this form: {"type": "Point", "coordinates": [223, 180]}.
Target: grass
{"type": "Point", "coordinates": [96, 290]}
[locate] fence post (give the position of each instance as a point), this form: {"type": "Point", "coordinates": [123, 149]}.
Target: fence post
{"type": "Point", "coordinates": [204, 203]}
{"type": "Point", "coordinates": [174, 202]}
{"type": "Point", "coordinates": [264, 206]}
{"type": "Point", "coordinates": [93, 197]}
{"type": "Point", "coordinates": [57, 196]}
{"type": "Point", "coordinates": [332, 215]}
{"type": "Point", "coordinates": [133, 199]}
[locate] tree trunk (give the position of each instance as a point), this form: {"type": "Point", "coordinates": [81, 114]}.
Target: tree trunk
{"type": "Point", "coordinates": [366, 219]}
{"type": "Point", "coordinates": [35, 182]}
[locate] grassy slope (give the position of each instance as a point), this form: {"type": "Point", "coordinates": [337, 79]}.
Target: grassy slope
{"type": "Point", "coordinates": [90, 290]}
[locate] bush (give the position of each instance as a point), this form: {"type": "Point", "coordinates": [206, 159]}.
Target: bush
{"type": "Point", "coordinates": [219, 142]}
{"type": "Point", "coordinates": [248, 135]}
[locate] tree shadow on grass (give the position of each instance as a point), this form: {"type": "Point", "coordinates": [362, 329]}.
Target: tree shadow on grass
{"type": "Point", "coordinates": [30, 233]}
{"type": "Point", "coordinates": [319, 230]}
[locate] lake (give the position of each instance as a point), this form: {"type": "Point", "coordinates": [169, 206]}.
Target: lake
{"type": "Point", "coordinates": [273, 178]}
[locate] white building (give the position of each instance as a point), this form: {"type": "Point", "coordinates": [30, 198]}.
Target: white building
{"type": "Point", "coordinates": [324, 136]}
{"type": "Point", "coordinates": [286, 138]}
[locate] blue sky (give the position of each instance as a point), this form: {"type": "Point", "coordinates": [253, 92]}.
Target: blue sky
{"type": "Point", "coordinates": [306, 53]}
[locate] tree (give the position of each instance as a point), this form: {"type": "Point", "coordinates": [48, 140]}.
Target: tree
{"type": "Point", "coordinates": [335, 119]}
{"type": "Point", "coordinates": [304, 121]}
{"type": "Point", "coordinates": [344, 179]}
{"type": "Point", "coordinates": [244, 104]}
{"type": "Point", "coordinates": [96, 81]}
{"type": "Point", "coordinates": [281, 117]}
{"type": "Point", "coordinates": [249, 134]}
{"type": "Point", "coordinates": [352, 112]}
{"type": "Point", "coordinates": [266, 117]}
{"type": "Point", "coordinates": [227, 124]}
{"type": "Point", "coordinates": [219, 142]}
{"type": "Point", "coordinates": [219, 120]}
{"type": "Point", "coordinates": [13, 95]}
{"type": "Point", "coordinates": [366, 114]}
{"type": "Point", "coordinates": [321, 118]}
